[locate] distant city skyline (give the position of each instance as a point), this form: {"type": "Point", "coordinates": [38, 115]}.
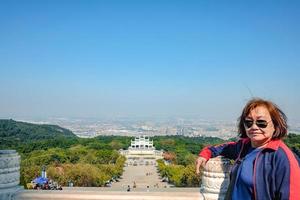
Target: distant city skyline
{"type": "Point", "coordinates": [106, 59]}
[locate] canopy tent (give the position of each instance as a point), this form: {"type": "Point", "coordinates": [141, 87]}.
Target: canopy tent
{"type": "Point", "coordinates": [40, 180]}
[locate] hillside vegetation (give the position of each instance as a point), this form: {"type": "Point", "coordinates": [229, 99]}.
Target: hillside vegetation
{"type": "Point", "coordinates": [13, 133]}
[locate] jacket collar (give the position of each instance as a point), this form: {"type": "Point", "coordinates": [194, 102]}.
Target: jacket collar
{"type": "Point", "coordinates": [272, 144]}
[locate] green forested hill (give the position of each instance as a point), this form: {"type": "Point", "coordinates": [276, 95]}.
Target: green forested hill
{"type": "Point", "coordinates": [13, 132]}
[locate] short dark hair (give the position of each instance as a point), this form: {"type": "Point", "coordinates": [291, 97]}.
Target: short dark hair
{"type": "Point", "coordinates": [279, 119]}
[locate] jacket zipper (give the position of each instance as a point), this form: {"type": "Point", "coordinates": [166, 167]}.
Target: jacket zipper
{"type": "Point", "coordinates": [237, 162]}
{"type": "Point", "coordinates": [242, 148]}
{"type": "Point", "coordinates": [254, 173]}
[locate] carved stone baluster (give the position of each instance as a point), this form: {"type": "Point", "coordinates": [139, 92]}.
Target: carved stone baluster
{"type": "Point", "coordinates": [215, 178]}
{"type": "Point", "coordinates": [9, 174]}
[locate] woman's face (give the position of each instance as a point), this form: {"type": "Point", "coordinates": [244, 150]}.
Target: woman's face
{"type": "Point", "coordinates": [259, 126]}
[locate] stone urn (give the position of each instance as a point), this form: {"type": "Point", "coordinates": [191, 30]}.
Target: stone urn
{"type": "Point", "coordinates": [215, 178]}
{"type": "Point", "coordinates": [9, 174]}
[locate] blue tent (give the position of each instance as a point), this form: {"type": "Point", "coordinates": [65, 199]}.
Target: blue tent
{"type": "Point", "coordinates": [40, 180]}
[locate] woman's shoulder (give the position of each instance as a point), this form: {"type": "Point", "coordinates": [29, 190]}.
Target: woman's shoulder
{"type": "Point", "coordinates": [285, 154]}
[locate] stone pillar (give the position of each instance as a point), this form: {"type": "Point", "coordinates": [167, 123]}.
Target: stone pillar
{"type": "Point", "coordinates": [9, 174]}
{"type": "Point", "coordinates": [215, 178]}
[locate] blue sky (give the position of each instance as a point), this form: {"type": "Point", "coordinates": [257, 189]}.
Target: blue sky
{"type": "Point", "coordinates": [147, 58]}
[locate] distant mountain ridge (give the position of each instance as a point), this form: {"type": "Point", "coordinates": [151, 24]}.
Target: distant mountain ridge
{"type": "Point", "coordinates": [15, 131]}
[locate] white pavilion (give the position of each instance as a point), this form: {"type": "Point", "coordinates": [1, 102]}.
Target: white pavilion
{"type": "Point", "coordinates": [141, 152]}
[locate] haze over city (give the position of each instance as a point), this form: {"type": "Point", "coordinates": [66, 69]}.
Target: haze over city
{"type": "Point", "coordinates": [140, 59]}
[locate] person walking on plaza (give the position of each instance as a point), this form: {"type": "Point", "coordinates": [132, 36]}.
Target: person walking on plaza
{"type": "Point", "coordinates": [264, 167]}
{"type": "Point", "coordinates": [128, 188]}
{"type": "Point", "coordinates": [134, 184]}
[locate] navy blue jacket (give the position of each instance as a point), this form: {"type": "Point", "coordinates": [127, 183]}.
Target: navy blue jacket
{"type": "Point", "coordinates": [276, 173]}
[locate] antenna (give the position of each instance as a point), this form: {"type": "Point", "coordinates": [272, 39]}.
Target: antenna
{"type": "Point", "coordinates": [249, 90]}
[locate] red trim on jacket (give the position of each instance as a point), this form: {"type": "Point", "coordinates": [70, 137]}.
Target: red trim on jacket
{"type": "Point", "coordinates": [294, 173]}
{"type": "Point", "coordinates": [205, 153]}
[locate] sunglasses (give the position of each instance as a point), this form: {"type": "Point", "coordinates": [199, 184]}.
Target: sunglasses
{"type": "Point", "coordinates": [259, 123]}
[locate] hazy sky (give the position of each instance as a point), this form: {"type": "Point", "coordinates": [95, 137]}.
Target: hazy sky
{"type": "Point", "coordinates": [147, 58]}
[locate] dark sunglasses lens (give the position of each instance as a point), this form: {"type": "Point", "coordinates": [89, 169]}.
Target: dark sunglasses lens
{"type": "Point", "coordinates": [261, 123]}
{"type": "Point", "coordinates": [248, 123]}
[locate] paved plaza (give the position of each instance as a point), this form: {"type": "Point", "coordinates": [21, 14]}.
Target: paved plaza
{"type": "Point", "coordinates": [142, 176]}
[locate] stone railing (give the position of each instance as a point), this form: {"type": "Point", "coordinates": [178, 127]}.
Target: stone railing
{"type": "Point", "coordinates": [215, 179]}
{"type": "Point", "coordinates": [9, 174]}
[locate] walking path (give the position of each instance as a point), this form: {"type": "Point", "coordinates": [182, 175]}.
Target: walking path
{"type": "Point", "coordinates": [143, 177]}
